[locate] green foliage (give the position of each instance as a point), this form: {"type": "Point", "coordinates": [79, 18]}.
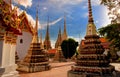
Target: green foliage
{"type": "Point", "coordinates": [112, 33]}
{"type": "Point", "coordinates": [69, 47]}
{"type": "Point", "coordinates": [113, 7]}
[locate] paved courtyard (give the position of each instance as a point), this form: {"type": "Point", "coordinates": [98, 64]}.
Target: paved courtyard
{"type": "Point", "coordinates": [60, 70]}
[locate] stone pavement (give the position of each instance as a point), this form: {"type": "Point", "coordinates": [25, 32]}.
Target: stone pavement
{"type": "Point", "coordinates": [60, 70]}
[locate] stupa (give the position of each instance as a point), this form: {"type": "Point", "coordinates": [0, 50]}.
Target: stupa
{"type": "Point", "coordinates": [47, 42]}
{"type": "Point", "coordinates": [36, 60]}
{"type": "Point", "coordinates": [64, 35]}
{"type": "Point", "coordinates": [91, 62]}
{"type": "Point", "coordinates": [59, 55]}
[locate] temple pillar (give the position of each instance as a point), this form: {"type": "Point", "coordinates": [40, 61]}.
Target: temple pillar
{"type": "Point", "coordinates": [7, 54]}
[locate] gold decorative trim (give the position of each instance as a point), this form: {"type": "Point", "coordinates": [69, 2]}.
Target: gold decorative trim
{"type": "Point", "coordinates": [1, 36]}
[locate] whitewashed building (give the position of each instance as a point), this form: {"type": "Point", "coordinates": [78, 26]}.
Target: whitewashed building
{"type": "Point", "coordinates": [24, 40]}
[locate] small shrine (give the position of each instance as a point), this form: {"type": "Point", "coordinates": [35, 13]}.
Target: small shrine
{"type": "Point", "coordinates": [91, 61]}
{"type": "Point", "coordinates": [36, 59]}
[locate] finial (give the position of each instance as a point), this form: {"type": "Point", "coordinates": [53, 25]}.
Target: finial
{"type": "Point", "coordinates": [48, 25]}
{"type": "Point", "coordinates": [36, 27]}
{"type": "Point", "coordinates": [64, 22]}
{"type": "Point", "coordinates": [35, 37]}
{"type": "Point", "coordinates": [90, 12]}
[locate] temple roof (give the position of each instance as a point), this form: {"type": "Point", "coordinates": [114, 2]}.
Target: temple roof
{"type": "Point", "coordinates": [25, 25]}
{"type": "Point", "coordinates": [52, 51]}
{"type": "Point", "coordinates": [9, 18]}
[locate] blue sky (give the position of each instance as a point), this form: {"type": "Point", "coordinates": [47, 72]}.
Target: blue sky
{"type": "Point", "coordinates": [76, 15]}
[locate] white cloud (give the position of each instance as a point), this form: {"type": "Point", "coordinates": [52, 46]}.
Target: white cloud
{"type": "Point", "coordinates": [52, 23]}
{"type": "Point", "coordinates": [78, 39]}
{"type": "Point", "coordinates": [45, 8]}
{"type": "Point", "coordinates": [53, 43]}
{"type": "Point", "coordinates": [25, 3]}
{"type": "Point", "coordinates": [85, 15]}
{"type": "Point", "coordinates": [33, 21]}
{"type": "Point", "coordinates": [65, 2]}
{"type": "Point", "coordinates": [105, 20]}
{"type": "Point", "coordinates": [56, 21]}
{"type": "Point", "coordinates": [93, 3]}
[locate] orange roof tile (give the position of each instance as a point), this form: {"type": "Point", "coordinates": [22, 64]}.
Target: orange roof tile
{"type": "Point", "coordinates": [52, 51]}
{"type": "Point", "coordinates": [102, 39]}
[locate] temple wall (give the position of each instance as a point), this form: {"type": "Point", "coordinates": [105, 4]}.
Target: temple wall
{"type": "Point", "coordinates": [22, 48]}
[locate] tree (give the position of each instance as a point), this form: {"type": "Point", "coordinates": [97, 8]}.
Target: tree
{"type": "Point", "coordinates": [113, 7]}
{"type": "Point", "coordinates": [112, 33]}
{"type": "Point", "coordinates": [69, 47]}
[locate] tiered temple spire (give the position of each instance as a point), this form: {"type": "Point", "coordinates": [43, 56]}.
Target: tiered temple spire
{"type": "Point", "coordinates": [59, 55]}
{"type": "Point", "coordinates": [47, 43]}
{"type": "Point", "coordinates": [64, 36]}
{"type": "Point", "coordinates": [36, 59]}
{"type": "Point", "coordinates": [35, 36]}
{"type": "Point", "coordinates": [91, 28]}
{"type": "Point", "coordinates": [59, 39]}
{"type": "Point", "coordinates": [91, 62]}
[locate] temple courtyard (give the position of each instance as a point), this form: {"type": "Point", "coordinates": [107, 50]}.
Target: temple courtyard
{"type": "Point", "coordinates": [60, 70]}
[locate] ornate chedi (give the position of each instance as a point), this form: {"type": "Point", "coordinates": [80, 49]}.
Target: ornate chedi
{"type": "Point", "coordinates": [59, 39]}
{"type": "Point", "coordinates": [59, 55]}
{"type": "Point", "coordinates": [64, 35]}
{"type": "Point", "coordinates": [91, 62]}
{"type": "Point", "coordinates": [36, 60]}
{"type": "Point", "coordinates": [9, 23]}
{"type": "Point", "coordinates": [47, 43]}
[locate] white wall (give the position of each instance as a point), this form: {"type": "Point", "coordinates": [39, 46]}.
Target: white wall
{"type": "Point", "coordinates": [6, 54]}
{"type": "Point", "coordinates": [22, 48]}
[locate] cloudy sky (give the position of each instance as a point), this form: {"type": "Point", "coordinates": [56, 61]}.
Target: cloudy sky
{"type": "Point", "coordinates": [76, 15]}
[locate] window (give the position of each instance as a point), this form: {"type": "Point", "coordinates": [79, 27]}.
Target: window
{"type": "Point", "coordinates": [21, 41]}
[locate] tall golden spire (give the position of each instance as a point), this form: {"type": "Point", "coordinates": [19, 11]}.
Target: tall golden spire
{"type": "Point", "coordinates": [64, 36]}
{"type": "Point", "coordinates": [90, 20]}
{"type": "Point", "coordinates": [91, 28]}
{"type": "Point", "coordinates": [47, 31]}
{"type": "Point", "coordinates": [59, 39]}
{"type": "Point", "coordinates": [47, 43]}
{"type": "Point", "coordinates": [35, 36]}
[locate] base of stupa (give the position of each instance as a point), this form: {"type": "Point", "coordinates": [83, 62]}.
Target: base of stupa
{"type": "Point", "coordinates": [9, 71]}
{"type": "Point", "coordinates": [31, 69]}
{"type": "Point", "coordinates": [84, 74]}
